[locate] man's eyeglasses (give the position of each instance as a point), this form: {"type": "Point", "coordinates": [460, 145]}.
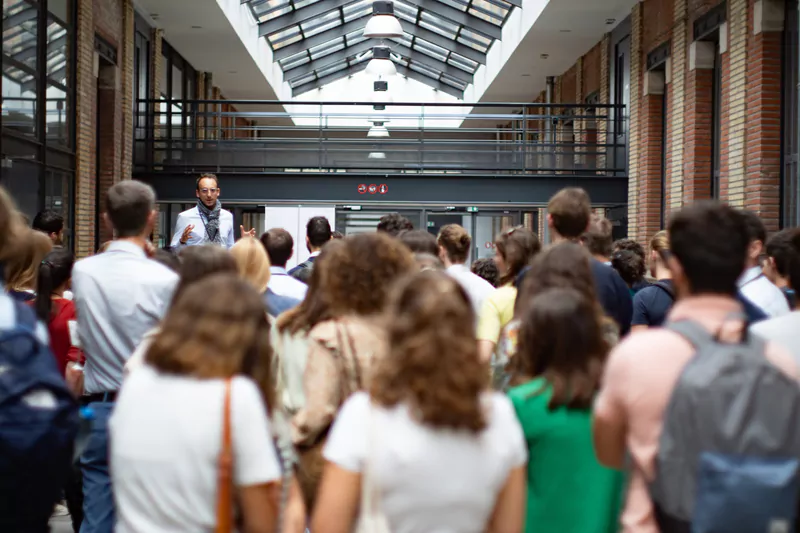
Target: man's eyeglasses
{"type": "Point", "coordinates": [212, 191]}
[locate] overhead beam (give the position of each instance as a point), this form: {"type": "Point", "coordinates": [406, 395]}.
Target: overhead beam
{"type": "Point", "coordinates": [459, 17]}
{"type": "Point", "coordinates": [19, 18]}
{"type": "Point", "coordinates": [296, 17]}
{"type": "Point", "coordinates": [430, 82]}
{"type": "Point", "coordinates": [432, 63]}
{"type": "Point", "coordinates": [328, 60]}
{"type": "Point", "coordinates": [444, 42]}
{"type": "Point", "coordinates": [321, 38]}
{"type": "Point", "coordinates": [330, 78]}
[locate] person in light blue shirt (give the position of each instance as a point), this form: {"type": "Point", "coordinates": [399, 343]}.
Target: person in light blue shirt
{"type": "Point", "coordinates": [120, 295]}
{"type": "Point", "coordinates": [280, 247]}
{"type": "Point", "coordinates": [207, 222]}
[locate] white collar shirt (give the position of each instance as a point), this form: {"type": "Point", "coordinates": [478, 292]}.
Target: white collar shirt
{"type": "Point", "coordinates": [281, 283]}
{"type": "Point", "coordinates": [120, 295]}
{"type": "Point", "coordinates": [757, 288]}
{"type": "Point", "coordinates": [475, 286]}
{"type": "Point", "coordinates": [199, 235]}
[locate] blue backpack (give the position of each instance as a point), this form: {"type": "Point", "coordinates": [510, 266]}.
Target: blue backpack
{"type": "Point", "coordinates": [39, 421]}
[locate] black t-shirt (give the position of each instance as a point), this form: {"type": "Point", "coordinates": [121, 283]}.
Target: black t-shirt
{"type": "Point", "coordinates": [651, 304]}
{"type": "Point", "coordinates": [613, 294]}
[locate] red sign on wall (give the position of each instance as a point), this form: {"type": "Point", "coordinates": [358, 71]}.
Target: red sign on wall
{"type": "Point", "coordinates": [383, 189]}
{"type": "Point", "coordinates": [362, 188]}
{"type": "Point", "coordinates": [373, 188]}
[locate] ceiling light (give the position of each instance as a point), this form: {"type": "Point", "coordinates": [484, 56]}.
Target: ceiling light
{"type": "Point", "coordinates": [610, 21]}
{"type": "Point", "coordinates": [376, 155]}
{"type": "Point", "coordinates": [197, 27]}
{"type": "Point", "coordinates": [378, 131]}
{"type": "Point", "coordinates": [565, 31]}
{"type": "Point", "coordinates": [380, 64]}
{"type": "Point", "coordinates": [383, 23]}
{"type": "Point", "coordinates": [544, 56]}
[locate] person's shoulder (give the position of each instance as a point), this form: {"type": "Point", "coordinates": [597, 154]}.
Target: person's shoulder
{"type": "Point", "coordinates": [501, 409]}
{"type": "Point", "coordinates": [358, 403]}
{"type": "Point", "coordinates": [224, 213]}
{"type": "Point", "coordinates": [189, 212]}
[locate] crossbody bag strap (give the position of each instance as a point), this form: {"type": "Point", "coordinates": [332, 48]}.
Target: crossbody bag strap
{"type": "Point", "coordinates": [225, 469]}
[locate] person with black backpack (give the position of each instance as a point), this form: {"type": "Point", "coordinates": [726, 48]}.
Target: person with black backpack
{"type": "Point", "coordinates": [38, 415]}
{"type": "Point", "coordinates": [702, 416]}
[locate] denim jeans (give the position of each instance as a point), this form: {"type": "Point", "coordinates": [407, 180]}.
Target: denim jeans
{"type": "Point", "coordinates": [98, 498]}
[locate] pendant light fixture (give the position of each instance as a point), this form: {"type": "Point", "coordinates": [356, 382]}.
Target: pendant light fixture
{"type": "Point", "coordinates": [383, 23]}
{"type": "Point", "coordinates": [378, 130]}
{"type": "Point", "coordinates": [380, 95]}
{"type": "Point", "coordinates": [381, 64]}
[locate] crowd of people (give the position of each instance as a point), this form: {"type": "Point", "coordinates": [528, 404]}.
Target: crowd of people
{"type": "Point", "coordinates": [388, 384]}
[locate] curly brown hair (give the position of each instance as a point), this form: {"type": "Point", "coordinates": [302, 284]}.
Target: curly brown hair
{"type": "Point", "coordinates": [217, 337]}
{"type": "Point", "coordinates": [359, 275]}
{"type": "Point", "coordinates": [433, 363]}
{"type": "Point", "coordinates": [561, 339]}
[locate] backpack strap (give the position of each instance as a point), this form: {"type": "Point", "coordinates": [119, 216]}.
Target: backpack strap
{"type": "Point", "coordinates": [693, 332]}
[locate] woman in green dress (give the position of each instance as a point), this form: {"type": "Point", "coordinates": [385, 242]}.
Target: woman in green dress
{"type": "Point", "coordinates": [561, 352]}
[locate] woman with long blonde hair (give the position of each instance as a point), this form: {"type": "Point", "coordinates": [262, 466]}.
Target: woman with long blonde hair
{"type": "Point", "coordinates": [22, 269]}
{"type": "Point", "coordinates": [651, 304]}
{"type": "Point", "coordinates": [427, 448]}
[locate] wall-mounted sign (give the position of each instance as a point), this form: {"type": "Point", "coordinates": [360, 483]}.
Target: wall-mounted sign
{"type": "Point", "coordinates": [383, 189]}
{"type": "Point", "coordinates": [373, 188]}
{"type": "Point", "coordinates": [362, 189]}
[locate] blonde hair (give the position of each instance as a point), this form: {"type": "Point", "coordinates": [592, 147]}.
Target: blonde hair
{"type": "Point", "coordinates": [660, 242]}
{"type": "Point", "coordinates": [252, 262]}
{"type": "Point", "coordinates": [23, 268]}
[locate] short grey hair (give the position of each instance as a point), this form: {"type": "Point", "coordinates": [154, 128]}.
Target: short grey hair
{"type": "Point", "coordinates": [129, 204]}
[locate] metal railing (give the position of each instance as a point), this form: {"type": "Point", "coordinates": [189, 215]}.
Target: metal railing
{"type": "Point", "coordinates": [268, 136]}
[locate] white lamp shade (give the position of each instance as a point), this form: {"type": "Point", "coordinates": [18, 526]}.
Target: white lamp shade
{"type": "Point", "coordinates": [376, 155]}
{"type": "Point", "coordinates": [383, 26]}
{"type": "Point", "coordinates": [381, 67]}
{"type": "Point", "coordinates": [378, 131]}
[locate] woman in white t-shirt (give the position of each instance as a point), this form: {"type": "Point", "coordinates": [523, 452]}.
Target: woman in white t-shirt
{"type": "Point", "coordinates": [432, 450]}
{"type": "Point", "coordinates": [166, 430]}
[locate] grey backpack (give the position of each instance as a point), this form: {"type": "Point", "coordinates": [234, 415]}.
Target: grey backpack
{"type": "Point", "coordinates": [730, 447]}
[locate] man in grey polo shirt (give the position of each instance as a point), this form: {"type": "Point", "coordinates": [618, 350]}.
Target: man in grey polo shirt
{"type": "Point", "coordinates": [119, 295]}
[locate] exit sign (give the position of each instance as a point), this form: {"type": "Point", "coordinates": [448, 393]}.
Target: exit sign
{"type": "Point", "coordinates": [472, 209]}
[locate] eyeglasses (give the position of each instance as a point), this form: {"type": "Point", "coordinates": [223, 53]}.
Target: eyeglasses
{"type": "Point", "coordinates": [212, 191]}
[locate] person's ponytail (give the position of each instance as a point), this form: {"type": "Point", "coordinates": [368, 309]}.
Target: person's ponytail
{"type": "Point", "coordinates": [54, 271]}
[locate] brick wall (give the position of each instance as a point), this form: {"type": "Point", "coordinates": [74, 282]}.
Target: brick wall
{"type": "Point", "coordinates": [110, 88]}
{"type": "Point", "coordinates": [634, 114]}
{"type": "Point", "coordinates": [657, 20]}
{"type": "Point", "coordinates": [591, 70]}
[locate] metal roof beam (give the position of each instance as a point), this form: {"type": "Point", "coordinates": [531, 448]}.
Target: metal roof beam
{"type": "Point", "coordinates": [325, 61]}
{"type": "Point", "coordinates": [330, 78]}
{"type": "Point", "coordinates": [321, 38]}
{"type": "Point", "coordinates": [18, 18]}
{"type": "Point", "coordinates": [431, 62]}
{"type": "Point", "coordinates": [459, 17]}
{"type": "Point", "coordinates": [430, 82]}
{"type": "Point", "coordinates": [444, 42]}
{"type": "Point", "coordinates": [296, 17]}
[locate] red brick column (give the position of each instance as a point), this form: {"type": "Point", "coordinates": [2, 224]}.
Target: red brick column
{"type": "Point", "coordinates": [763, 158]}
{"type": "Point", "coordinates": [651, 155]}
{"type": "Point", "coordinates": [698, 125]}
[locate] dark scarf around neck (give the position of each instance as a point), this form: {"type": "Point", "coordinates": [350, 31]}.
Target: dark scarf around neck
{"type": "Point", "coordinates": [211, 219]}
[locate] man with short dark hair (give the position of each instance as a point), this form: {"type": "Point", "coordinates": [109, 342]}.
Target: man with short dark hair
{"type": "Point", "coordinates": [753, 284]}
{"type": "Point", "coordinates": [777, 262]}
{"type": "Point", "coordinates": [394, 223]}
{"type": "Point", "coordinates": [280, 247]}
{"type": "Point", "coordinates": [318, 233]}
{"type": "Point", "coordinates": [568, 215]}
{"type": "Point", "coordinates": [119, 295]}
{"type": "Point", "coordinates": [708, 243]}
{"type": "Point", "coordinates": [51, 224]}
{"type": "Point", "coordinates": [419, 242]}
{"type": "Point", "coordinates": [206, 222]}
{"type": "Point", "coordinates": [598, 239]}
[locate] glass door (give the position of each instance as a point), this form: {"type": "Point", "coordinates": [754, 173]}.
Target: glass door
{"type": "Point", "coordinates": [486, 226]}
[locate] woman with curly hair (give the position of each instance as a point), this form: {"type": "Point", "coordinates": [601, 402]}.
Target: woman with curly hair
{"type": "Point", "coordinates": [342, 341]}
{"type": "Point", "coordinates": [563, 351]}
{"type": "Point", "coordinates": [432, 450]}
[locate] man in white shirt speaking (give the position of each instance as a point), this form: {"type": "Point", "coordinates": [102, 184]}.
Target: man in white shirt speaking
{"type": "Point", "coordinates": [454, 247]}
{"type": "Point", "coordinates": [207, 222]}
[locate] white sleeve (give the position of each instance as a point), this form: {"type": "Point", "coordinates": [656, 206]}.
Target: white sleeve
{"type": "Point", "coordinates": [254, 458]}
{"type": "Point", "coordinates": [180, 225]}
{"type": "Point", "coordinates": [231, 239]}
{"type": "Point", "coordinates": [347, 442]}
{"type": "Point", "coordinates": [509, 424]}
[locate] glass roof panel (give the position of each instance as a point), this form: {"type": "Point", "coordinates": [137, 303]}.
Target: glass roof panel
{"type": "Point", "coordinates": [453, 82]}
{"type": "Point", "coordinates": [322, 26]}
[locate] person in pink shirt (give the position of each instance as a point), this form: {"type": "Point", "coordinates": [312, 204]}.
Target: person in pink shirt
{"type": "Point", "coordinates": [708, 246]}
